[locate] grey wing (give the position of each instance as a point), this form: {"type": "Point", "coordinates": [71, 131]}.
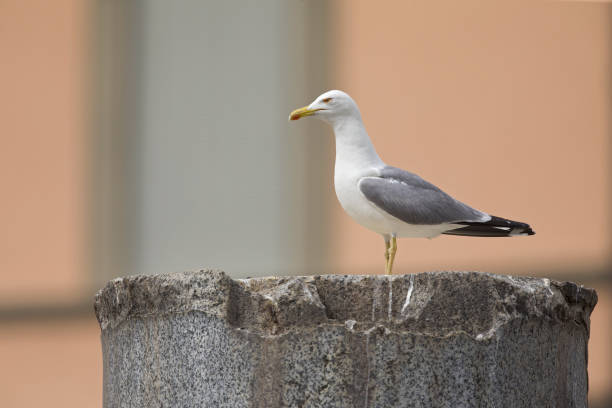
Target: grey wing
{"type": "Point", "coordinates": [411, 199]}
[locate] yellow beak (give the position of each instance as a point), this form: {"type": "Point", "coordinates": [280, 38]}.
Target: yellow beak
{"type": "Point", "coordinates": [300, 113]}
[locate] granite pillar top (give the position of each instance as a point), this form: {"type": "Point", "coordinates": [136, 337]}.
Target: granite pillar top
{"type": "Point", "coordinates": [430, 303]}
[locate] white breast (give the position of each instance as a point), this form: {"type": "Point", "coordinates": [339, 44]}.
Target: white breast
{"type": "Point", "coordinates": [346, 181]}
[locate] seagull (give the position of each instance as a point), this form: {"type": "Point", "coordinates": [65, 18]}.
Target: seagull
{"type": "Point", "coordinates": [390, 201]}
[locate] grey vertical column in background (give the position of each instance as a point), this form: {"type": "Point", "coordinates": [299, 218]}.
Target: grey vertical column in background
{"type": "Point", "coordinates": [206, 169]}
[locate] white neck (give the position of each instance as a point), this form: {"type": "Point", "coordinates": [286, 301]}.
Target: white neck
{"type": "Point", "coordinates": [354, 148]}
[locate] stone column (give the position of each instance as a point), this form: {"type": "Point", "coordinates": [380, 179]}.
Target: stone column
{"type": "Point", "coordinates": [440, 339]}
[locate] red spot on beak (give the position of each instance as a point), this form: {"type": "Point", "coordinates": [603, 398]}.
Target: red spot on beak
{"type": "Point", "coordinates": [295, 116]}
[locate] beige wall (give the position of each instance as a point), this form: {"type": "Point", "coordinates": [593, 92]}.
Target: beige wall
{"type": "Point", "coordinates": [504, 105]}
{"type": "Point", "coordinates": [42, 173]}
{"type": "Point", "coordinates": [44, 362]}
{"type": "Point", "coordinates": [53, 363]}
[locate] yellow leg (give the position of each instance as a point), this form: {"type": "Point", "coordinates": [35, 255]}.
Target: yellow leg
{"type": "Point", "coordinates": [387, 246]}
{"type": "Point", "coordinates": [392, 251]}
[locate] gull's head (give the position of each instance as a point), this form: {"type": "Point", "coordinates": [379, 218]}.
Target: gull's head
{"type": "Point", "coordinates": [330, 107]}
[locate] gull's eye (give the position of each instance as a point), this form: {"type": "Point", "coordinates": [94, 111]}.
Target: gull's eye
{"type": "Point", "coordinates": [326, 100]}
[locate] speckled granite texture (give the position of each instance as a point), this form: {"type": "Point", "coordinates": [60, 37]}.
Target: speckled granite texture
{"type": "Point", "coordinates": [440, 339]}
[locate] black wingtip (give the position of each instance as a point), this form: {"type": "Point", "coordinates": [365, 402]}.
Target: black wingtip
{"type": "Point", "coordinates": [527, 229]}
{"type": "Point", "coordinates": [496, 227]}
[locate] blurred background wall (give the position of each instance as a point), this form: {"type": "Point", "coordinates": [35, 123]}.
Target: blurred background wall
{"type": "Point", "coordinates": [152, 136]}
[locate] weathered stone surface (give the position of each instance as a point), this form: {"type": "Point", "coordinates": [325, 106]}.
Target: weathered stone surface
{"type": "Point", "coordinates": [441, 339]}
